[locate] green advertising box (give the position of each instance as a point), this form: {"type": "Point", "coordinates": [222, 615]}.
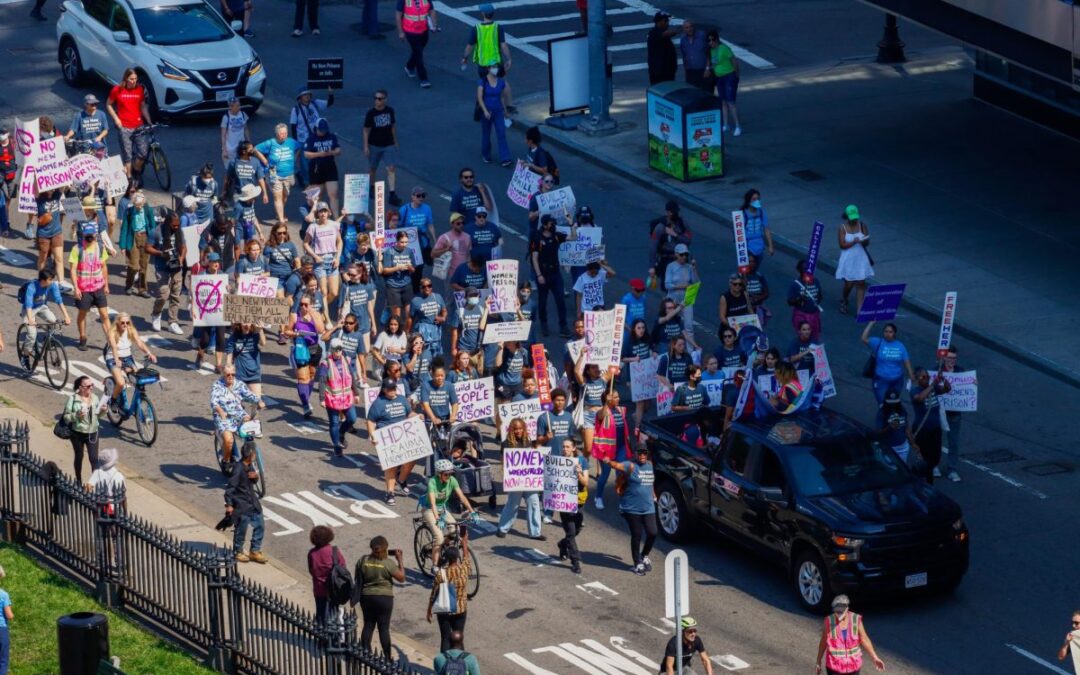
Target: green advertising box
{"type": "Point", "coordinates": [685, 137]}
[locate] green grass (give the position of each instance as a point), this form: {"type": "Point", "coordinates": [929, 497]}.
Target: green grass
{"type": "Point", "coordinates": [39, 597]}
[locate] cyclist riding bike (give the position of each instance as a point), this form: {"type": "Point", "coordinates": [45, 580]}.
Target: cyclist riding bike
{"type": "Point", "coordinates": [440, 488]}
{"type": "Point", "coordinates": [34, 296]}
{"type": "Point", "coordinates": [227, 398]}
{"type": "Point", "coordinates": [90, 123]}
{"type": "Point", "coordinates": [121, 362]}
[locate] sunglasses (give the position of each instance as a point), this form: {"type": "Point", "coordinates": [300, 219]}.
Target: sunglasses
{"type": "Point", "coordinates": [350, 323]}
{"type": "Point", "coordinates": [729, 336]}
{"type": "Point", "coordinates": [458, 222]}
{"type": "Point", "coordinates": [549, 182]}
{"type": "Point", "coordinates": [469, 177]}
{"type": "Point", "coordinates": [425, 285]}
{"type": "Point", "coordinates": [122, 323]}
{"type": "Point", "coordinates": [229, 375]}
{"type": "Point", "coordinates": [421, 195]}
{"type": "Point", "coordinates": [481, 215]}
{"type": "Point", "coordinates": [737, 283]}
{"type": "Point", "coordinates": [380, 98]}
{"type": "Point", "coordinates": [1075, 623]}
{"type": "Point", "coordinates": [305, 304]}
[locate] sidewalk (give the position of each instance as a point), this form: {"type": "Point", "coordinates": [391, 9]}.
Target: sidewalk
{"type": "Point", "coordinates": [958, 196]}
{"type": "Point", "coordinates": [156, 509]}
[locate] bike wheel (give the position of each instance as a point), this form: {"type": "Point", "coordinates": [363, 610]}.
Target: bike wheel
{"type": "Point", "coordinates": [25, 360]}
{"type": "Point", "coordinates": [56, 364]}
{"type": "Point", "coordinates": [473, 586]}
{"type": "Point", "coordinates": [115, 415]}
{"type": "Point", "coordinates": [161, 167]}
{"type": "Point", "coordinates": [423, 541]}
{"type": "Point", "coordinates": [260, 485]}
{"type": "Point", "coordinates": [146, 420]}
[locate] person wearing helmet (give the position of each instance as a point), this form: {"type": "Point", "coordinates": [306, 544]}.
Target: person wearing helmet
{"type": "Point", "coordinates": [691, 644]}
{"type": "Point", "coordinates": [440, 488]}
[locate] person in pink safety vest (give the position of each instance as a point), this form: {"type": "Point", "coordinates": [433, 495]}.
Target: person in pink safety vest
{"type": "Point", "coordinates": [339, 384]}
{"type": "Point", "coordinates": [843, 639]}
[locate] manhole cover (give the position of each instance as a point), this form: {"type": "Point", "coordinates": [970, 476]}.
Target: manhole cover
{"type": "Point", "coordinates": [1047, 469]}
{"type": "Point", "coordinates": [807, 175]}
{"type": "Point", "coordinates": [994, 456]}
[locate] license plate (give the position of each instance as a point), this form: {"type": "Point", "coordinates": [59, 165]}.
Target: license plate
{"type": "Point", "coordinates": [224, 95]}
{"type": "Point", "coordinates": [915, 580]}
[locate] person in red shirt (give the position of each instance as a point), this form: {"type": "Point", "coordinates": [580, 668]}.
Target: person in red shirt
{"type": "Point", "coordinates": [127, 108]}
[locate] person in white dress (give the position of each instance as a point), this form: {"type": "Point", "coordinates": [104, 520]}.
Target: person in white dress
{"type": "Point", "coordinates": [855, 265]}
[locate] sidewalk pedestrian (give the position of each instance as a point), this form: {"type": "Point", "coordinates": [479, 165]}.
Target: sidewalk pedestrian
{"type": "Point", "coordinates": [303, 118]}
{"type": "Point", "coordinates": [691, 646]}
{"type": "Point", "coordinates": [855, 265]}
{"type": "Point", "coordinates": [374, 579]}
{"type": "Point", "coordinates": [108, 481]}
{"type": "Point", "coordinates": [312, 10]}
{"type": "Point", "coordinates": [455, 660]}
{"type": "Point", "coordinates": [843, 639]}
{"type": "Point", "coordinates": [804, 296]}
{"type": "Point", "coordinates": [416, 19]}
{"type": "Point", "coordinates": [662, 59]}
{"type": "Point", "coordinates": [381, 143]}
{"type": "Point", "coordinates": [951, 450]}
{"type": "Point", "coordinates": [637, 505]}
{"type": "Point", "coordinates": [455, 571]}
{"type": "Point", "coordinates": [5, 620]}
{"type": "Point", "coordinates": [890, 360]}
{"type": "Point", "coordinates": [81, 413]}
{"type": "Point", "coordinates": [1072, 640]}
{"type": "Point", "coordinates": [492, 93]}
{"type": "Point", "coordinates": [320, 560]}
{"type": "Point", "coordinates": [242, 503]}
{"type": "Point", "coordinates": [695, 55]}
{"type": "Point", "coordinates": [724, 67]}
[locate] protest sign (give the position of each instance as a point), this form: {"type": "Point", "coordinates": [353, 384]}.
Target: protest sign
{"type": "Point", "coordinates": [576, 253]}
{"type": "Point", "coordinates": [402, 442]}
{"type": "Point", "coordinates": [767, 384]}
{"type": "Point", "coordinates": [523, 469]}
{"type": "Point", "coordinates": [740, 322]}
{"type": "Point", "coordinates": [371, 393]}
{"type": "Point", "coordinates": [557, 203]}
{"type": "Point", "coordinates": [85, 169]}
{"type": "Point", "coordinates": [615, 362]}
{"type": "Point", "coordinates": [528, 410]}
{"type": "Point", "coordinates": [691, 294]}
{"type": "Point", "coordinates": [28, 191]}
{"type": "Point", "coordinates": [948, 316]}
{"type": "Point", "coordinates": [326, 73]}
{"type": "Point", "coordinates": [881, 303]}
{"type": "Point", "coordinates": [208, 299]}
{"type": "Point", "coordinates": [663, 401]}
{"type": "Point", "coordinates": [355, 193]}
{"type": "Point", "coordinates": [744, 393]}
{"type": "Point", "coordinates": [715, 390]}
{"type": "Point", "coordinates": [257, 310]}
{"type": "Point", "coordinates": [413, 246]}
{"type": "Point", "coordinates": [504, 331]}
{"type": "Point", "coordinates": [476, 399]}
{"type": "Point", "coordinates": [540, 370]}
{"type": "Point", "coordinates": [742, 252]}
{"type": "Point", "coordinates": [598, 254]}
{"type": "Point", "coordinates": [26, 141]}
{"type": "Point", "coordinates": [599, 336]}
{"type": "Point", "coordinates": [560, 484]}
{"type": "Point", "coordinates": [822, 371]}
{"type": "Point", "coordinates": [522, 185]}
{"type": "Point", "coordinates": [592, 289]}
{"type": "Point", "coordinates": [502, 276]}
{"type": "Point", "coordinates": [813, 251]}
{"type": "Point", "coordinates": [643, 383]}
{"type": "Point", "coordinates": [73, 210]}
{"type": "Point", "coordinates": [312, 193]}
{"type": "Point", "coordinates": [964, 396]}
{"type": "Point", "coordinates": [51, 168]}
{"type": "Point", "coordinates": [191, 241]}
{"type": "Point", "coordinates": [116, 181]}
{"type": "Point", "coordinates": [380, 214]}
{"type": "Point", "coordinates": [441, 267]}
{"type": "Point", "coordinates": [256, 285]}
{"type": "Point", "coordinates": [459, 298]}
{"type": "Point", "coordinates": [574, 348]}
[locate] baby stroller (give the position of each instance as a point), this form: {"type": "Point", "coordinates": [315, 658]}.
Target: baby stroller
{"type": "Point", "coordinates": [463, 444]}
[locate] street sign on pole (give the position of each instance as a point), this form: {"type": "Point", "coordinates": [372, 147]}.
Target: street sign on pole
{"type": "Point", "coordinates": [676, 589]}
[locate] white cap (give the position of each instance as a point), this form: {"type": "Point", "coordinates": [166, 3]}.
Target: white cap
{"type": "Point", "coordinates": [189, 202]}
{"type": "Point", "coordinates": [336, 343]}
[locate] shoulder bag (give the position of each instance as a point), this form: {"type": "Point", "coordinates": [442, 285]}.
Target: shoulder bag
{"type": "Point", "coordinates": [870, 367]}
{"type": "Point", "coordinates": [446, 599]}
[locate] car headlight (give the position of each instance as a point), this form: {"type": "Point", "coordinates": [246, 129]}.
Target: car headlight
{"type": "Point", "coordinates": [958, 525]}
{"type": "Point", "coordinates": [255, 66]}
{"type": "Point", "coordinates": [848, 542]}
{"type": "Point", "coordinates": [850, 548]}
{"type": "Point", "coordinates": [171, 72]}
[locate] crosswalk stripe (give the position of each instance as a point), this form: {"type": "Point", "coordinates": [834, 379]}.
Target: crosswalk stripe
{"type": "Point", "coordinates": [561, 17]}
{"type": "Point", "coordinates": [511, 3]}
{"type": "Point", "coordinates": [445, 10]}
{"type": "Point", "coordinates": [556, 36]}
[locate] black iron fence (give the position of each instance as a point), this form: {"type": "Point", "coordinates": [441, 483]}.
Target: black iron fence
{"type": "Point", "coordinates": [193, 597]}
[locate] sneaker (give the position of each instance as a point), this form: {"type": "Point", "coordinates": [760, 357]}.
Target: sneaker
{"type": "Point", "coordinates": [82, 344]}
{"type": "Point", "coordinates": [937, 472]}
{"type": "Point", "coordinates": [539, 537]}
{"type": "Point", "coordinates": [401, 490]}
{"type": "Point", "coordinates": [259, 557]}
{"type": "Point", "coordinates": [954, 476]}
{"type": "Point", "coordinates": [298, 32]}
{"type": "Point", "coordinates": [243, 557]}
{"type": "Point", "coordinates": [156, 322]}
{"type": "Point", "coordinates": [500, 534]}
{"type": "Point", "coordinates": [307, 411]}
{"type": "Point", "coordinates": [548, 520]}
{"type": "Point", "coordinates": [175, 328]}
{"type": "Point", "coordinates": [316, 31]}
{"type": "Point", "coordinates": [639, 569]}
{"type": "Point", "coordinates": [576, 569]}
{"type": "Point", "coordinates": [486, 160]}
{"type": "Point", "coordinates": [506, 164]}
{"type": "Point", "coordinates": [66, 287]}
{"type": "Point", "coordinates": [249, 33]}
{"type": "Point", "coordinates": [724, 128]}
{"type": "Point", "coordinates": [647, 563]}
{"type": "Point", "coordinates": [425, 84]}
{"type": "Point", "coordinates": [599, 503]}
{"type": "Point", "coordinates": [738, 131]}
{"type": "Point", "coordinates": [28, 232]}
{"type": "Point", "coordinates": [389, 499]}
{"type": "Point", "coordinates": [281, 339]}
{"type": "Point", "coordinates": [409, 72]}
{"type": "Point", "coordinates": [130, 291]}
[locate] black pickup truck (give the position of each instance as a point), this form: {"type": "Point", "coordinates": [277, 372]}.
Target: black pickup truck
{"type": "Point", "coordinates": [815, 493]}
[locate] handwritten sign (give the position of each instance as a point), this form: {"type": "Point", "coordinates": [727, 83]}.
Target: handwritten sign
{"type": "Point", "coordinates": [256, 310]}
{"type": "Point", "coordinates": [413, 245]}
{"type": "Point", "coordinates": [715, 389]}
{"type": "Point", "coordinates": [948, 316]}
{"type": "Point", "coordinates": [50, 165]}
{"type": "Point", "coordinates": [208, 299]}
{"type": "Point", "coordinates": [615, 362]}
{"type": "Point", "coordinates": [643, 383]}
{"type": "Point", "coordinates": [355, 193]}
{"type": "Point", "coordinates": [528, 410]}
{"type": "Point", "coordinates": [742, 251]}
{"type": "Point", "coordinates": [73, 210]}
{"type": "Point", "coordinates": [28, 191]}
{"type": "Point", "coordinates": [822, 371]}
{"type": "Point", "coordinates": [26, 140]}
{"type": "Point", "coordinates": [369, 394]}
{"type": "Point", "coordinates": [402, 442]}
{"type": "Point", "coordinates": [522, 184]}
{"type": "Point", "coordinates": [85, 169]}
{"type": "Point", "coordinates": [813, 251]}
{"type": "Point", "coordinates": [256, 285]}
{"type": "Point", "coordinates": [556, 203]}
{"type": "Point", "coordinates": [441, 267]}
{"type": "Point", "coordinates": [560, 484]}
{"type": "Point", "coordinates": [964, 396]}
{"type": "Point", "coordinates": [380, 214]}
{"type": "Point", "coordinates": [502, 276]}
{"type": "Point", "coordinates": [507, 331]}
{"type": "Point", "coordinates": [598, 254]}
{"type": "Point", "coordinates": [740, 322]}
{"type": "Point", "coordinates": [476, 399]}
{"type": "Point", "coordinates": [523, 469]}
{"type": "Point", "coordinates": [574, 348]}
{"type": "Point", "coordinates": [691, 294]}
{"type": "Point", "coordinates": [881, 303]}
{"type": "Point", "coordinates": [576, 253]}
{"type": "Point", "coordinates": [116, 181]}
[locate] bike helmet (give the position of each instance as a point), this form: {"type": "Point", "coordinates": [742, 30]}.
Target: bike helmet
{"type": "Point", "coordinates": [688, 622]}
{"type": "Point", "coordinates": [444, 466]}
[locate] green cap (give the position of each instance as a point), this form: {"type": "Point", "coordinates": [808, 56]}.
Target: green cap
{"type": "Point", "coordinates": [852, 212]}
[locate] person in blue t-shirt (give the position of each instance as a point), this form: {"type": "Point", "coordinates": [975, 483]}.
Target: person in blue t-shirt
{"type": "Point", "coordinates": [484, 235]}
{"type": "Point", "coordinates": [388, 409]}
{"type": "Point", "coordinates": [557, 424]}
{"type": "Point", "coordinates": [244, 352]}
{"type": "Point", "coordinates": [418, 214]}
{"type": "Point", "coordinates": [396, 267]}
{"type": "Point", "coordinates": [90, 123]}
{"type": "Point", "coordinates": [891, 360]}
{"type": "Point", "coordinates": [35, 305]}
{"type": "Point", "coordinates": [439, 398]}
{"type": "Point", "coordinates": [470, 196]}
{"type": "Point", "coordinates": [635, 303]}
{"type": "Point", "coordinates": [690, 395]}
{"type": "Point", "coordinates": [6, 616]}
{"type": "Point", "coordinates": [472, 320]}
{"type": "Point", "coordinates": [427, 313]}
{"type": "Point", "coordinates": [509, 363]}
{"type": "Point", "coordinates": [279, 157]}
{"type": "Point", "coordinates": [637, 505]}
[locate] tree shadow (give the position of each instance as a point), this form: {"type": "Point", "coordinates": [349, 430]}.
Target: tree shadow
{"type": "Point", "coordinates": [205, 477]}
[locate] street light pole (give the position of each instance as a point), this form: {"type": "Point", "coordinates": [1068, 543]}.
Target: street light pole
{"type": "Point", "coordinates": [599, 120]}
{"type": "Point", "coordinates": [891, 47]}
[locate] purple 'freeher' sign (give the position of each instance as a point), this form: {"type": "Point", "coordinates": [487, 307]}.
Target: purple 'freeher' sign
{"type": "Point", "coordinates": [881, 302]}
{"type": "Point", "coordinates": [812, 252]}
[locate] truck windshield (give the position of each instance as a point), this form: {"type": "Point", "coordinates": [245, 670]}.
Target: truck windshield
{"type": "Point", "coordinates": [844, 465]}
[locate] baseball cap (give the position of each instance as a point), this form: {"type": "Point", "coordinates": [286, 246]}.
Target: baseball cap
{"type": "Point", "coordinates": [672, 206]}
{"type": "Point", "coordinates": [322, 125]}
{"type": "Point", "coordinates": [322, 206]}
{"type": "Point", "coordinates": [456, 216]}
{"type": "Point", "coordinates": [88, 228]}
{"type": "Point", "coordinates": [418, 190]}
{"type": "Point", "coordinates": [387, 383]}
{"type": "Point", "coordinates": [90, 98]}
{"type": "Point", "coordinates": [487, 9]}
{"type": "Point", "coordinates": [841, 601]}
{"type": "Point", "coordinates": [852, 212]}
{"type": "Point", "coordinates": [660, 16]}
{"type": "Point", "coordinates": [681, 248]}
{"type": "Point", "coordinates": [212, 256]}
{"type": "Point", "coordinates": [307, 260]}
{"type": "Point", "coordinates": [481, 209]}
{"type": "Point", "coordinates": [637, 284]}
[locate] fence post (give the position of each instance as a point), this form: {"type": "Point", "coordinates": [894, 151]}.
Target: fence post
{"type": "Point", "coordinates": [220, 655]}
{"type": "Point", "coordinates": [340, 632]}
{"type": "Point", "coordinates": [8, 438]}
{"type": "Point", "coordinates": [107, 544]}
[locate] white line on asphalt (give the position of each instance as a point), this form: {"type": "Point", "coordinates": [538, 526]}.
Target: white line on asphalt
{"type": "Point", "coordinates": [561, 17]}
{"type": "Point", "coordinates": [658, 629]}
{"type": "Point", "coordinates": [668, 622]}
{"type": "Point", "coordinates": [556, 36]}
{"type": "Point", "coordinates": [511, 3]}
{"type": "Point", "coordinates": [1011, 481]}
{"type": "Point", "coordinates": [464, 18]}
{"type": "Point", "coordinates": [1036, 659]}
{"type": "Point", "coordinates": [444, 196]}
{"type": "Point", "coordinates": [730, 662]}
{"type": "Point", "coordinates": [596, 590]}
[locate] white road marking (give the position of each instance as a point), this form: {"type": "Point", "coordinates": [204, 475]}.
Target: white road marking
{"type": "Point", "coordinates": [596, 590]}
{"type": "Point", "coordinates": [305, 428]}
{"type": "Point", "coordinates": [658, 629]}
{"type": "Point", "coordinates": [730, 662]}
{"type": "Point", "coordinates": [328, 507]}
{"type": "Point", "coordinates": [365, 507]}
{"type": "Point", "coordinates": [592, 657]}
{"type": "Point", "coordinates": [511, 3]}
{"type": "Point", "coordinates": [1011, 481]}
{"type": "Point", "coordinates": [446, 10]}
{"type": "Point", "coordinates": [561, 17]}
{"type": "Point", "coordinates": [289, 526]}
{"type": "Point", "coordinates": [616, 29]}
{"type": "Point", "coordinates": [668, 622]}
{"type": "Point", "coordinates": [1045, 664]}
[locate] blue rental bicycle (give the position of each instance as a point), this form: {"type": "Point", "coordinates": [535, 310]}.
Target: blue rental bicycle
{"type": "Point", "coordinates": [134, 401]}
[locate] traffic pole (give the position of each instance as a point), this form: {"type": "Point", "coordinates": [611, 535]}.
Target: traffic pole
{"type": "Point", "coordinates": [678, 617]}
{"type": "Point", "coordinates": [599, 121]}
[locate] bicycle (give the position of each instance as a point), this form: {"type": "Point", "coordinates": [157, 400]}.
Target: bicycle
{"type": "Point", "coordinates": [155, 156]}
{"type": "Point", "coordinates": [136, 403]}
{"type": "Point", "coordinates": [46, 347]}
{"type": "Point", "coordinates": [424, 543]}
{"type": "Point", "coordinates": [248, 432]}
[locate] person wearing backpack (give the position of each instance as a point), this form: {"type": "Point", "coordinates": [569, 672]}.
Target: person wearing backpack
{"type": "Point", "coordinates": [455, 660]}
{"type": "Point", "coordinates": [375, 575]}
{"type": "Point", "coordinates": [331, 583]}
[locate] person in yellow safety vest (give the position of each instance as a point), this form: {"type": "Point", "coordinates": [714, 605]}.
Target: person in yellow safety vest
{"type": "Point", "coordinates": [843, 638]}
{"type": "Point", "coordinates": [414, 18]}
{"type": "Point", "coordinates": [340, 383]}
{"type": "Point", "coordinates": [487, 44]}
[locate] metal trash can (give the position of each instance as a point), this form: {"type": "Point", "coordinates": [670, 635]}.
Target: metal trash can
{"type": "Point", "coordinates": [685, 132]}
{"type": "Point", "coordinates": [83, 641]}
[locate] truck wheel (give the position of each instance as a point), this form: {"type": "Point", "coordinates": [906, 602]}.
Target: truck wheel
{"type": "Point", "coordinates": [811, 579]}
{"type": "Point", "coordinates": [671, 512]}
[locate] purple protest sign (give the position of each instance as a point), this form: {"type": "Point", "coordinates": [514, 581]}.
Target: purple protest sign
{"type": "Point", "coordinates": [881, 302]}
{"type": "Point", "coordinates": [813, 250]}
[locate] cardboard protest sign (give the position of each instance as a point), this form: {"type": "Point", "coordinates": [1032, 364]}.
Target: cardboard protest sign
{"type": "Point", "coordinates": [85, 169]}
{"type": "Point", "coordinates": [964, 396]}
{"type": "Point", "coordinates": [691, 294]}
{"type": "Point", "coordinates": [505, 331]}
{"type": "Point", "coordinates": [742, 252]}
{"type": "Point", "coordinates": [28, 191]}
{"type": "Point", "coordinates": [369, 394]}
{"type": "Point", "coordinates": [355, 193]}
{"type": "Point", "coordinates": [26, 141]}
{"type": "Point", "coordinates": [50, 165]}
{"type": "Point", "coordinates": [208, 299]}
{"type": "Point", "coordinates": [441, 267]}
{"type": "Point", "coordinates": [528, 410]}
{"type": "Point", "coordinates": [822, 371]}
{"type": "Point", "coordinates": [502, 276]}
{"type": "Point", "coordinates": [380, 214]}
{"type": "Point", "coordinates": [574, 348]}
{"type": "Point", "coordinates": [73, 210]}
{"type": "Point", "coordinates": [557, 203]}
{"type": "Point", "coordinates": [402, 442]}
{"type": "Point", "coordinates": [576, 253]}
{"type": "Point", "coordinates": [413, 246]}
{"type": "Point", "coordinates": [476, 399]}
{"type": "Point", "coordinates": [599, 336]}
{"type": "Point", "coordinates": [881, 303]}
{"type": "Point", "coordinates": [522, 185]}
{"type": "Point", "coordinates": [116, 181]}
{"type": "Point", "coordinates": [191, 241]}
{"type": "Point", "coordinates": [663, 401]}
{"type": "Point", "coordinates": [598, 254]}
{"type": "Point", "coordinates": [256, 285]}
{"type": "Point", "coordinates": [523, 469]}
{"type": "Point", "coordinates": [540, 369]}
{"type": "Point", "coordinates": [948, 316]}
{"type": "Point", "coordinates": [256, 310]}
{"type": "Point", "coordinates": [643, 383]}
{"type": "Point", "coordinates": [560, 484]}
{"type": "Point", "coordinates": [813, 251]}
{"type": "Point", "coordinates": [739, 322]}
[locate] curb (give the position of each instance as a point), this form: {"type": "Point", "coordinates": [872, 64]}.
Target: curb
{"type": "Point", "coordinates": [919, 307]}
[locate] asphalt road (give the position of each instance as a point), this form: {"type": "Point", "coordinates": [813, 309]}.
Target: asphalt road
{"type": "Point", "coordinates": [532, 614]}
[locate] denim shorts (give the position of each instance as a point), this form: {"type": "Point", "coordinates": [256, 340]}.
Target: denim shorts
{"type": "Point", "coordinates": [727, 86]}
{"type": "Point", "coordinates": [125, 362]}
{"type": "Point", "coordinates": [326, 268]}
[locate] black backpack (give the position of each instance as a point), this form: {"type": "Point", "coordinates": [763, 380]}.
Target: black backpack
{"type": "Point", "coordinates": [22, 293]}
{"type": "Point", "coordinates": [455, 665]}
{"type": "Point", "coordinates": [340, 583]}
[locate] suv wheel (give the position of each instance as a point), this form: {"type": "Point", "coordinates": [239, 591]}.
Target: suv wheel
{"type": "Point", "coordinates": [811, 581]}
{"type": "Point", "coordinates": [671, 512]}
{"type": "Point", "coordinates": [71, 63]}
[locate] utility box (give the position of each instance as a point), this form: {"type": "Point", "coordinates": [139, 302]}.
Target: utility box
{"type": "Point", "coordinates": [686, 140]}
{"type": "Point", "coordinates": [83, 641]}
